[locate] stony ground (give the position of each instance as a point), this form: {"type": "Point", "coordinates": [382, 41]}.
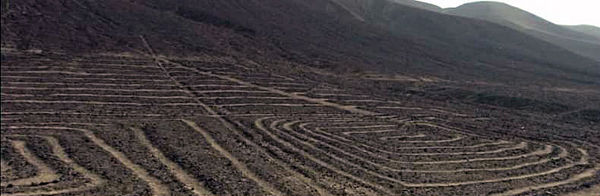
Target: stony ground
{"type": "Point", "coordinates": [143, 125]}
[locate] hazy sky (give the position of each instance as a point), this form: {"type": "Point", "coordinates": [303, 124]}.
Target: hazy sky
{"type": "Point", "coordinates": [572, 12]}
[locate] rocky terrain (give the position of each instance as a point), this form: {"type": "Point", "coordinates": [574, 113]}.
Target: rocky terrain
{"type": "Point", "coordinates": [288, 98]}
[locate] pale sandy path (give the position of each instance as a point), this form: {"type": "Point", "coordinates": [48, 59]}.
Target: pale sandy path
{"type": "Point", "coordinates": [44, 173]}
{"type": "Point", "coordinates": [91, 89]}
{"type": "Point", "coordinates": [594, 191]}
{"type": "Point", "coordinates": [87, 84]}
{"type": "Point", "coordinates": [72, 73]}
{"type": "Point", "coordinates": [97, 103]}
{"type": "Point", "coordinates": [288, 125]}
{"type": "Point", "coordinates": [99, 95]}
{"type": "Point", "coordinates": [89, 78]}
{"type": "Point", "coordinates": [260, 125]}
{"type": "Point", "coordinates": [158, 188]}
{"type": "Point", "coordinates": [58, 151]}
{"type": "Point", "coordinates": [563, 153]}
{"type": "Point", "coordinates": [234, 161]}
{"type": "Point", "coordinates": [584, 160]}
{"type": "Point", "coordinates": [175, 169]}
{"type": "Point", "coordinates": [360, 127]}
{"type": "Point", "coordinates": [352, 109]}
{"type": "Point", "coordinates": [270, 104]}
{"type": "Point", "coordinates": [455, 138]}
{"type": "Point", "coordinates": [586, 174]}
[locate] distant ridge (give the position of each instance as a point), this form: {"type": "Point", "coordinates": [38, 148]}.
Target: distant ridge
{"type": "Point", "coordinates": [587, 29]}
{"type": "Point", "coordinates": [342, 36]}
{"type": "Point", "coordinates": [421, 5]}
{"type": "Point", "coordinates": [582, 41]}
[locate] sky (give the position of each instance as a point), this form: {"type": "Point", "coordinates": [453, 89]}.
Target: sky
{"type": "Point", "coordinates": [571, 12]}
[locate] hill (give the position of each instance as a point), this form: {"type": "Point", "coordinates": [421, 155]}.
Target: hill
{"type": "Point", "coordinates": [421, 5]}
{"type": "Point", "coordinates": [324, 34]}
{"type": "Point", "coordinates": [504, 14]}
{"type": "Point", "coordinates": [587, 29]}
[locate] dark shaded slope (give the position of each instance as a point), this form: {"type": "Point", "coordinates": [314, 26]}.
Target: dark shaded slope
{"type": "Point", "coordinates": [478, 47]}
{"type": "Point", "coordinates": [504, 14]}
{"type": "Point", "coordinates": [114, 25]}
{"type": "Point", "coordinates": [393, 38]}
{"type": "Point", "coordinates": [422, 41]}
{"type": "Point", "coordinates": [587, 29]}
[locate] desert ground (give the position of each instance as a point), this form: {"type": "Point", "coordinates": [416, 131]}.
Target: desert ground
{"type": "Point", "coordinates": [123, 124]}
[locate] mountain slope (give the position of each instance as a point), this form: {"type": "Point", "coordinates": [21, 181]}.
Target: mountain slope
{"type": "Point", "coordinates": [526, 22]}
{"type": "Point", "coordinates": [391, 38]}
{"type": "Point", "coordinates": [419, 4]}
{"type": "Point", "coordinates": [587, 29]}
{"type": "Point", "coordinates": [468, 43]}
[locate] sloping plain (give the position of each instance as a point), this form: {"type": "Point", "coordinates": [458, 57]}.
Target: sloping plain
{"type": "Point", "coordinates": [288, 98]}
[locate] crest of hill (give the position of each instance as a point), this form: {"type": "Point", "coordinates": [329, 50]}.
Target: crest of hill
{"type": "Point", "coordinates": [421, 5]}
{"type": "Point", "coordinates": [579, 42]}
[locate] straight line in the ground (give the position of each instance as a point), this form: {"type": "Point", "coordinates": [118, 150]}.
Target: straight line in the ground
{"type": "Point", "coordinates": [239, 165]}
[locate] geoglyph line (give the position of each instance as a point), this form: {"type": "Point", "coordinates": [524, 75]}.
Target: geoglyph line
{"type": "Point", "coordinates": [242, 97]}
{"type": "Point", "coordinates": [447, 112]}
{"type": "Point", "coordinates": [100, 95]}
{"type": "Point", "coordinates": [217, 85]}
{"type": "Point", "coordinates": [371, 101]}
{"type": "Point", "coordinates": [231, 91]}
{"type": "Point", "coordinates": [398, 107]}
{"type": "Point", "coordinates": [120, 96]}
{"type": "Point", "coordinates": [79, 83]}
{"type": "Point", "coordinates": [97, 103]}
{"type": "Point", "coordinates": [296, 96]}
{"type": "Point", "coordinates": [259, 124]}
{"type": "Point", "coordinates": [586, 174]}
{"type": "Point", "coordinates": [339, 95]}
{"type": "Point", "coordinates": [546, 150]}
{"type": "Point", "coordinates": [369, 132]}
{"type": "Point", "coordinates": [589, 191]}
{"type": "Point", "coordinates": [521, 145]}
{"type": "Point", "coordinates": [563, 154]}
{"type": "Point", "coordinates": [79, 113]}
{"type": "Point", "coordinates": [89, 78]}
{"type": "Point", "coordinates": [270, 104]}
{"type": "Point", "coordinates": [554, 170]}
{"type": "Point", "coordinates": [175, 169]}
{"type": "Point", "coordinates": [224, 77]}
{"type": "Point", "coordinates": [234, 161]}
{"type": "Point", "coordinates": [407, 136]}
{"type": "Point", "coordinates": [17, 95]}
{"type": "Point", "coordinates": [158, 188]}
{"type": "Point", "coordinates": [84, 69]}
{"type": "Point", "coordinates": [444, 147]}
{"type": "Point", "coordinates": [455, 138]}
{"type": "Point", "coordinates": [44, 172]}
{"type": "Point", "coordinates": [58, 123]}
{"type": "Point", "coordinates": [59, 152]}
{"type": "Point", "coordinates": [360, 127]}
{"type": "Point", "coordinates": [91, 89]}
{"type": "Point", "coordinates": [75, 73]}
{"type": "Point", "coordinates": [87, 64]}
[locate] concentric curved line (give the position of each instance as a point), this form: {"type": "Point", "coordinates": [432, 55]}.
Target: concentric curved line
{"type": "Point", "coordinates": [158, 188]}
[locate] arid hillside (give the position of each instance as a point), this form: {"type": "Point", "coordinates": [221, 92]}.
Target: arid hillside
{"type": "Point", "coordinates": [583, 43]}
{"type": "Point", "coordinates": [288, 97]}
